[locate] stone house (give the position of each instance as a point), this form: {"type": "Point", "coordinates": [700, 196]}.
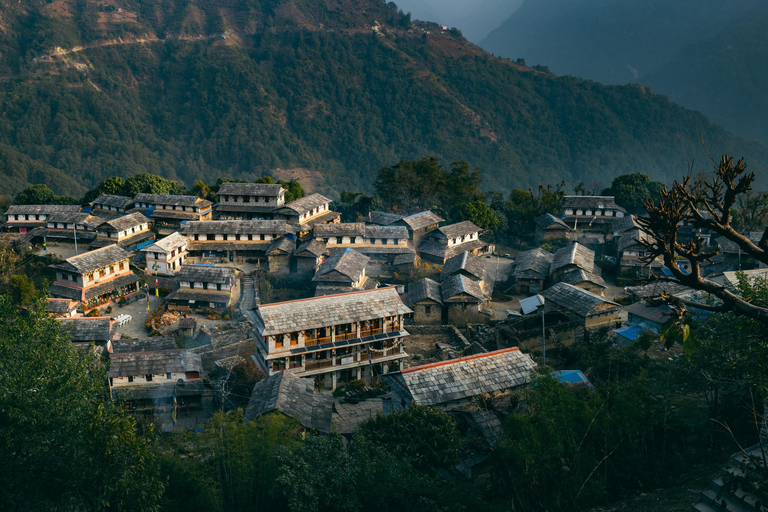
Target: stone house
{"type": "Point", "coordinates": [70, 226]}
{"type": "Point", "coordinates": [593, 310]}
{"type": "Point", "coordinates": [417, 224]}
{"type": "Point", "coordinates": [549, 227]}
{"type": "Point", "coordinates": [95, 277]}
{"type": "Point", "coordinates": [63, 308]}
{"type": "Point", "coordinates": [205, 287]}
{"type": "Point", "coordinates": [469, 266]}
{"type": "Point", "coordinates": [21, 218]}
{"type": "Point", "coordinates": [279, 255]}
{"type": "Point", "coordinates": [591, 213]}
{"type": "Point", "coordinates": [448, 241]}
{"type": "Point", "coordinates": [233, 240]}
{"type": "Point", "coordinates": [585, 280]}
{"type": "Point", "coordinates": [169, 211]}
{"type": "Point", "coordinates": [167, 255]}
{"type": "Point", "coordinates": [425, 298]}
{"type": "Point", "coordinates": [343, 272]}
{"type": "Point", "coordinates": [101, 331]}
{"type": "Point", "coordinates": [334, 339]}
{"type": "Point", "coordinates": [631, 251]}
{"type": "Point", "coordinates": [385, 242]}
{"type": "Point", "coordinates": [309, 255]}
{"type": "Point", "coordinates": [307, 212]}
{"type": "Point", "coordinates": [246, 201]}
{"type": "Point", "coordinates": [131, 232]}
{"type": "Point", "coordinates": [111, 206]}
{"type": "Point", "coordinates": [573, 256]}
{"type": "Point", "coordinates": [531, 270]}
{"type": "Point", "coordinates": [464, 300]}
{"type": "Point", "coordinates": [294, 397]}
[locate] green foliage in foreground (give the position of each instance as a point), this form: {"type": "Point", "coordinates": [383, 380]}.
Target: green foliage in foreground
{"type": "Point", "coordinates": [63, 444]}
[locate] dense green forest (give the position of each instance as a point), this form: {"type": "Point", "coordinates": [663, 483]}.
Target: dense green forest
{"type": "Point", "coordinates": [240, 88]}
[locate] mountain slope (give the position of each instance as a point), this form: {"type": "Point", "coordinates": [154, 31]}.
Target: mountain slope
{"type": "Point", "coordinates": [724, 76]}
{"type": "Point", "coordinates": [205, 88]}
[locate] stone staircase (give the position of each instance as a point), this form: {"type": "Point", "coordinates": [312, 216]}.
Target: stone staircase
{"type": "Point", "coordinates": [248, 294]}
{"type": "Point", "coordinates": [716, 498]}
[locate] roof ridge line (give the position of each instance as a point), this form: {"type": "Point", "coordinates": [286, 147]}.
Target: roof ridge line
{"type": "Point", "coordinates": [326, 296]}
{"type": "Point", "coordinates": [457, 359]}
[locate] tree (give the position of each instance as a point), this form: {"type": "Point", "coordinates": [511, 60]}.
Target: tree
{"type": "Point", "coordinates": [201, 190]}
{"type": "Point", "coordinates": [524, 206]}
{"type": "Point", "coordinates": [633, 190]}
{"type": "Point", "coordinates": [411, 185]}
{"type": "Point", "coordinates": [293, 190]}
{"type": "Point", "coordinates": [707, 205]}
{"type": "Point", "coordinates": [479, 213]}
{"type": "Point", "coordinates": [36, 194]}
{"type": "Point", "coordinates": [23, 290]}
{"type": "Point", "coordinates": [63, 444]}
{"type": "Point", "coordinates": [150, 184]}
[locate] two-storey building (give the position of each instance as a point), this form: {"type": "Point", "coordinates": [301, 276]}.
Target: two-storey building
{"type": "Point", "coordinates": [591, 213]}
{"type": "Point", "coordinates": [448, 241]}
{"type": "Point", "coordinates": [169, 211]}
{"type": "Point", "coordinates": [371, 240]}
{"type": "Point", "coordinates": [334, 339]}
{"type": "Point", "coordinates": [70, 226]}
{"type": "Point", "coordinates": [307, 212]}
{"type": "Point", "coordinates": [204, 287]}
{"type": "Point", "coordinates": [166, 256]}
{"type": "Point", "coordinates": [95, 277]}
{"type": "Point", "coordinates": [23, 217]}
{"type": "Point", "coordinates": [109, 206]}
{"type": "Point", "coordinates": [245, 201]}
{"type": "Point", "coordinates": [235, 240]}
{"type": "Point", "coordinates": [417, 224]}
{"type": "Point", "coordinates": [131, 232]}
{"type": "Point", "coordinates": [343, 272]}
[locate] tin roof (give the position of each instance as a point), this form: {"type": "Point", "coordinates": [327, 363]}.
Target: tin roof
{"type": "Point", "coordinates": [462, 378]}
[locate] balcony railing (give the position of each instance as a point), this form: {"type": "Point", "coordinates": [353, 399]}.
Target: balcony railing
{"type": "Point", "coordinates": [316, 365]}
{"type": "Point", "coordinates": [310, 342]}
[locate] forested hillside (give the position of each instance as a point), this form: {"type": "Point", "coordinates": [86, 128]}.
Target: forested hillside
{"type": "Point", "coordinates": [91, 89]}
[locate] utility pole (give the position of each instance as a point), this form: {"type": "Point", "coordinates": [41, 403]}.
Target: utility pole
{"type": "Point", "coordinates": [543, 339]}
{"type": "Point", "coordinates": [74, 232]}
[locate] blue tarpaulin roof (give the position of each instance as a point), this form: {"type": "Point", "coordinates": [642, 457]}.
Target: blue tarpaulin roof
{"type": "Point", "coordinates": [571, 377]}
{"type": "Point", "coordinates": [631, 333]}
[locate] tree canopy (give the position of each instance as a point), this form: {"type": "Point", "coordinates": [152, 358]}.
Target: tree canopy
{"type": "Point", "coordinates": [632, 191]}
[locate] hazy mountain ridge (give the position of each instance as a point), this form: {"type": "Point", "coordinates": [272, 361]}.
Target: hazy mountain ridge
{"type": "Point", "coordinates": [228, 87]}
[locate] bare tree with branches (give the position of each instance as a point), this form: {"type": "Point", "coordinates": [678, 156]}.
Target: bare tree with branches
{"type": "Point", "coordinates": [705, 204]}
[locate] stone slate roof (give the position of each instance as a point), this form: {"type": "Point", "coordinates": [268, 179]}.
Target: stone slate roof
{"type": "Point", "coordinates": [574, 254]}
{"type": "Point", "coordinates": [383, 218]}
{"type": "Point", "coordinates": [307, 203]}
{"type": "Point", "coordinates": [304, 314]}
{"type": "Point", "coordinates": [441, 250]}
{"type": "Point", "coordinates": [204, 274]}
{"type": "Point", "coordinates": [574, 299]}
{"type": "Point", "coordinates": [339, 229]}
{"type": "Point", "coordinates": [88, 329]}
{"type": "Point", "coordinates": [39, 209]}
{"type": "Point", "coordinates": [293, 396]}
{"type": "Point", "coordinates": [83, 218]}
{"type": "Point", "coordinates": [149, 363]}
{"type": "Point", "coordinates": [236, 227]}
{"type": "Point", "coordinates": [657, 314]}
{"type": "Point", "coordinates": [405, 258]}
{"type": "Point", "coordinates": [310, 248]}
{"type": "Point", "coordinates": [424, 289]}
{"type": "Point", "coordinates": [398, 232]}
{"type": "Point", "coordinates": [167, 244]}
{"type": "Point", "coordinates": [729, 247]}
{"type": "Point", "coordinates": [458, 284]}
{"type": "Point", "coordinates": [348, 262]}
{"type": "Point", "coordinates": [462, 378]}
{"type": "Point", "coordinates": [550, 223]}
{"type": "Point", "coordinates": [62, 306]}
{"type": "Point", "coordinates": [113, 201]}
{"type": "Point", "coordinates": [132, 240]}
{"type": "Point", "coordinates": [125, 222]}
{"type": "Point", "coordinates": [62, 291]}
{"type": "Point", "coordinates": [200, 295]}
{"type": "Point", "coordinates": [281, 245]}
{"type": "Point", "coordinates": [122, 346]}
{"type": "Point", "coordinates": [632, 238]}
{"type": "Point", "coordinates": [591, 203]}
{"type": "Point", "coordinates": [171, 200]}
{"type": "Point", "coordinates": [112, 284]}
{"type": "Point", "coordinates": [334, 288]}
{"type": "Point", "coordinates": [624, 224]}
{"type": "Point", "coordinates": [250, 189]}
{"type": "Point", "coordinates": [459, 229]}
{"type": "Point", "coordinates": [577, 275]}
{"type": "Point", "coordinates": [466, 262]}
{"type": "Point", "coordinates": [421, 220]}
{"type": "Point", "coordinates": [93, 260]}
{"type": "Point", "coordinates": [656, 289]}
{"type": "Point", "coordinates": [533, 264]}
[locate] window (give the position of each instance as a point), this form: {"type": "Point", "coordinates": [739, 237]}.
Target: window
{"type": "Point", "coordinates": [385, 241]}
{"type": "Point", "coordinates": [427, 310]}
{"type": "Point", "coordinates": [168, 376]}
{"type": "Point", "coordinates": [121, 265]}
{"type": "Point", "coordinates": [130, 378]}
{"type": "Point", "coordinates": [279, 341]}
{"type": "Point", "coordinates": [149, 378]}
{"type": "Point", "coordinates": [261, 237]}
{"type": "Point", "coordinates": [339, 240]}
{"type": "Point", "coordinates": [294, 338]}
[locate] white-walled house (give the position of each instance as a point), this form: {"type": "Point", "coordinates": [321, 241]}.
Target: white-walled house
{"type": "Point", "coordinates": [166, 256]}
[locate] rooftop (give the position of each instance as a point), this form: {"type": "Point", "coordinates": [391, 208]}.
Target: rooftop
{"type": "Point", "coordinates": [167, 244]}
{"type": "Point", "coordinates": [578, 275]}
{"type": "Point", "coordinates": [533, 264]}
{"type": "Point", "coordinates": [348, 262]}
{"type": "Point", "coordinates": [592, 202]}
{"type": "Point", "coordinates": [307, 203]}
{"type": "Point", "coordinates": [460, 285]}
{"type": "Point", "coordinates": [626, 223]}
{"type": "Point", "coordinates": [236, 227]}
{"type": "Point", "coordinates": [281, 245]}
{"type": "Point", "coordinates": [128, 221]}
{"type": "Point", "coordinates": [424, 289]}
{"type": "Point", "coordinates": [466, 262]}
{"type": "Point", "coordinates": [88, 329]}
{"type": "Point", "coordinates": [574, 254]}
{"type": "Point", "coordinates": [573, 299]}
{"type": "Point", "coordinates": [144, 344]}
{"type": "Point", "coordinates": [171, 200]}
{"type": "Point", "coordinates": [113, 201]}
{"type": "Point", "coordinates": [339, 229]}
{"type": "Point", "coordinates": [45, 209]}
{"type": "Point", "coordinates": [293, 396]}
{"type": "Point", "coordinates": [390, 232]}
{"type": "Point", "coordinates": [62, 306]}
{"type": "Point", "coordinates": [205, 274]}
{"type": "Point", "coordinates": [459, 229]}
{"type": "Point", "coordinates": [93, 260]}
{"type": "Point", "coordinates": [251, 189]}
{"type": "Point", "coordinates": [129, 364]}
{"type": "Point", "coordinates": [462, 378]}
{"type": "Point", "coordinates": [658, 314]}
{"type": "Point", "coordinates": [313, 313]}
{"type": "Point", "coordinates": [310, 248]}
{"type": "Point", "coordinates": [634, 237]}
{"type": "Point", "coordinates": [421, 220]}
{"type": "Point", "coordinates": [383, 218]}
{"type": "Point", "coordinates": [550, 222]}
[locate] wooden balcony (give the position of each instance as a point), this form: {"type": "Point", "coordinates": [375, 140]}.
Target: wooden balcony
{"type": "Point", "coordinates": [316, 365]}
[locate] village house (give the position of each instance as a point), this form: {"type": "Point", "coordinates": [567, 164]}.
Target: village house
{"type": "Point", "coordinates": [233, 240]}
{"type": "Point", "coordinates": [445, 242]}
{"type": "Point", "coordinates": [166, 255]}
{"type": "Point", "coordinates": [374, 241]}
{"type": "Point", "coordinates": [591, 213]}
{"type": "Point", "coordinates": [343, 272]}
{"type": "Point", "coordinates": [463, 387]}
{"type": "Point", "coordinates": [631, 251]}
{"type": "Point", "coordinates": [649, 316]}
{"type": "Point", "coordinates": [731, 257]}
{"type": "Point", "coordinates": [417, 224]}
{"type": "Point", "coordinates": [70, 226]}
{"type": "Point", "coordinates": [335, 339]}
{"type": "Point", "coordinates": [471, 267]}
{"type": "Point", "coordinates": [294, 397]}
{"type": "Point", "coordinates": [405, 263]}
{"type": "Point", "coordinates": [307, 212]}
{"type": "Point", "coordinates": [573, 256]}
{"type": "Point", "coordinates": [279, 256]}
{"type": "Point", "coordinates": [580, 278]}
{"type": "Point", "coordinates": [23, 217]}
{"type": "Point", "coordinates": [309, 255]}
{"type": "Point", "coordinates": [624, 225]}
{"type": "Point", "coordinates": [593, 310]}
{"type": "Point", "coordinates": [531, 270]}
{"type": "Point", "coordinates": [549, 227]}
{"type": "Point", "coordinates": [95, 277]}
{"type": "Point", "coordinates": [131, 232]}
{"type": "Point", "coordinates": [100, 330]}
{"type": "Point", "coordinates": [464, 300]}
{"type": "Point", "coordinates": [169, 211]}
{"type": "Point", "coordinates": [63, 308]}
{"type": "Point", "coordinates": [425, 298]}
{"type": "Point", "coordinates": [128, 345]}
{"type": "Point", "coordinates": [246, 201]}
{"type": "Point", "coordinates": [203, 286]}
{"type": "Point", "coordinates": [111, 206]}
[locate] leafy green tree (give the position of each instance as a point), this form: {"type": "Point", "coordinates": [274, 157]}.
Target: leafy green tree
{"type": "Point", "coordinates": [23, 290]}
{"type": "Point", "coordinates": [63, 444]}
{"type": "Point", "coordinates": [150, 184]}
{"type": "Point", "coordinates": [633, 190]}
{"type": "Point", "coordinates": [411, 185]}
{"type": "Point", "coordinates": [113, 185]}
{"type": "Point", "coordinates": [524, 206]}
{"type": "Point", "coordinates": [293, 190]}
{"type": "Point", "coordinates": [201, 190]}
{"type": "Point", "coordinates": [479, 213]}
{"type": "Point", "coordinates": [36, 194]}
{"type": "Point", "coordinates": [355, 206]}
